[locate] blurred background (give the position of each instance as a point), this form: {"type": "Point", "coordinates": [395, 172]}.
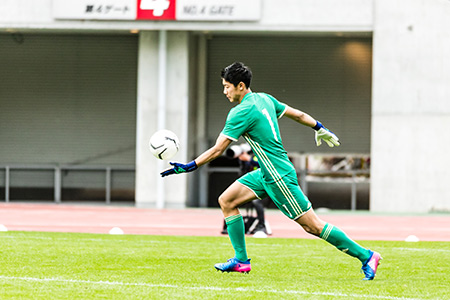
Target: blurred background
{"type": "Point", "coordinates": [85, 83]}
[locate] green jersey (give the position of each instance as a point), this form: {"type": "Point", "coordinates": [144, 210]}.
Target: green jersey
{"type": "Point", "coordinates": [256, 119]}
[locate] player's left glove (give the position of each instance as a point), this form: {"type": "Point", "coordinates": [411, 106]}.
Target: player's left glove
{"type": "Point", "coordinates": [323, 133]}
{"type": "Point", "coordinates": [180, 168]}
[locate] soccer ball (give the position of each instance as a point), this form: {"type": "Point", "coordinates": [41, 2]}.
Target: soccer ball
{"type": "Point", "coordinates": [164, 144]}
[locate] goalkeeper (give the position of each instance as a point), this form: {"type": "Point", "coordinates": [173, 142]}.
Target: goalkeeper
{"type": "Point", "coordinates": [255, 119]}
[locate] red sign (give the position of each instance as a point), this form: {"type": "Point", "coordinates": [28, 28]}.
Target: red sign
{"type": "Point", "coordinates": [156, 9]}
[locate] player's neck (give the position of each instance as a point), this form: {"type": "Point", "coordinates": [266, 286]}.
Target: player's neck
{"type": "Point", "coordinates": [244, 93]}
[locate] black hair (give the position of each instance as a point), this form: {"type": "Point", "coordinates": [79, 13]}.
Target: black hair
{"type": "Point", "coordinates": [237, 72]}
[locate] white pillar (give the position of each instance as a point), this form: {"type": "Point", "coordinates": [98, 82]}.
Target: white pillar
{"type": "Point", "coordinates": [411, 106]}
{"type": "Point", "coordinates": [152, 113]}
{"type": "Point", "coordinates": [177, 112]}
{"type": "Point", "coordinates": [202, 138]}
{"type": "Point", "coordinates": [162, 110]}
{"type": "Point", "coordinates": [146, 120]}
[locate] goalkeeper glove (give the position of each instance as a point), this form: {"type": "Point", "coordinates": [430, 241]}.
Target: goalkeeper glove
{"type": "Point", "coordinates": [323, 133]}
{"type": "Point", "coordinates": [180, 168]}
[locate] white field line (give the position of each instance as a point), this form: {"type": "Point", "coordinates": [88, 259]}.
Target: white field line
{"type": "Point", "coordinates": [420, 249]}
{"type": "Point", "coordinates": [205, 288]}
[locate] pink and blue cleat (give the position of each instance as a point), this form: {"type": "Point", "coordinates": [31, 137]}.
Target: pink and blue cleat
{"type": "Point", "coordinates": [234, 265]}
{"type": "Point", "coordinates": [370, 266]}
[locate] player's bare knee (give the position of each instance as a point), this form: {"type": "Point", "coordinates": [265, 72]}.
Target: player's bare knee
{"type": "Point", "coordinates": [223, 202]}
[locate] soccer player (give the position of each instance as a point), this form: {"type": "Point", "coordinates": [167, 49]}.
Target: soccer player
{"type": "Point", "coordinates": [255, 119]}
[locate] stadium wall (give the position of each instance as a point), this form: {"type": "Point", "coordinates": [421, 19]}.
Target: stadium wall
{"type": "Point", "coordinates": [410, 91]}
{"type": "Point", "coordinates": [411, 106]}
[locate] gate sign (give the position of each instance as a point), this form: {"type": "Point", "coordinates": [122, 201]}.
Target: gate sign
{"type": "Point", "coordinates": [199, 10]}
{"type": "Point", "coordinates": [94, 9]}
{"type": "Point", "coordinates": [175, 10]}
{"type": "Point", "coordinates": [156, 9]}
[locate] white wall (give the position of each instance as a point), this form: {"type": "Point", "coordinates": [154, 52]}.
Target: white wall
{"type": "Point", "coordinates": [411, 106]}
{"type": "Point", "coordinates": [276, 15]}
{"type": "Point", "coordinates": [313, 15]}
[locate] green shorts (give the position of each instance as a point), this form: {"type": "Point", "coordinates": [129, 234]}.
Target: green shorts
{"type": "Point", "coordinates": [285, 193]}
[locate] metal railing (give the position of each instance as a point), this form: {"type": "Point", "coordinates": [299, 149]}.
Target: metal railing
{"type": "Point", "coordinates": [352, 177]}
{"type": "Point", "coordinates": [57, 170]}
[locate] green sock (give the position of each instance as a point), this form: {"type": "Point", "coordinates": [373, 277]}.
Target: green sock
{"type": "Point", "coordinates": [340, 240]}
{"type": "Point", "coordinates": [236, 232]}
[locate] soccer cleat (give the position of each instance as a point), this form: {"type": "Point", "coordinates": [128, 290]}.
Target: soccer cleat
{"type": "Point", "coordinates": [370, 266]}
{"type": "Point", "coordinates": [234, 265]}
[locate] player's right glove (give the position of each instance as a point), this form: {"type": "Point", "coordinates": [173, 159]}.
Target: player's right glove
{"type": "Point", "coordinates": [180, 168]}
{"type": "Point", "coordinates": [323, 133]}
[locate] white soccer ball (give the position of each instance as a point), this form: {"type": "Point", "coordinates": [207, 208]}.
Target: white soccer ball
{"type": "Point", "coordinates": [164, 144]}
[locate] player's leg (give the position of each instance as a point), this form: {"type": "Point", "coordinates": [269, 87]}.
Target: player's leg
{"type": "Point", "coordinates": [241, 191]}
{"type": "Point", "coordinates": [288, 196]}
{"type": "Point", "coordinates": [297, 206]}
{"type": "Point", "coordinates": [233, 197]}
{"type": "Point", "coordinates": [333, 235]}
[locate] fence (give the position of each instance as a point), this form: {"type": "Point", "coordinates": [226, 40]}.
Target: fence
{"type": "Point", "coordinates": [57, 178]}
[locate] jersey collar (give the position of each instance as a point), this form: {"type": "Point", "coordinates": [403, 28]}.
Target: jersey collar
{"type": "Point", "coordinates": [246, 96]}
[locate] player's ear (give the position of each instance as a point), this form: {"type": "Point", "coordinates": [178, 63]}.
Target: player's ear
{"type": "Point", "coordinates": [241, 86]}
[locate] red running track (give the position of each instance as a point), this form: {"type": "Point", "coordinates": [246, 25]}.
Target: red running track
{"type": "Point", "coordinates": [208, 222]}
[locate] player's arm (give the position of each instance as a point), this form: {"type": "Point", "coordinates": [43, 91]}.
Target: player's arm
{"type": "Point", "coordinates": [322, 133]}
{"type": "Point", "coordinates": [300, 117]}
{"type": "Point", "coordinates": [212, 153]}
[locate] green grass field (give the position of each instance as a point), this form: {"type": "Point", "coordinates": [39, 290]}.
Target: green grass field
{"type": "Point", "coordinates": [36, 265]}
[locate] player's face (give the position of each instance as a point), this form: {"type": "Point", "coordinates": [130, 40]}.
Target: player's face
{"type": "Point", "coordinates": [233, 93]}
